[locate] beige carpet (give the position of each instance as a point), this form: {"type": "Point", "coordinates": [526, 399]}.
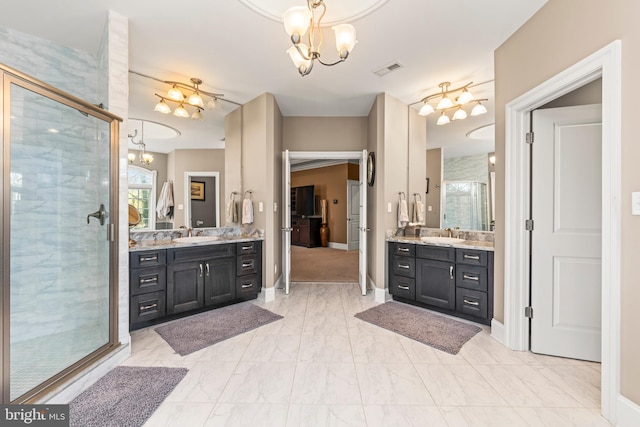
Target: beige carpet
{"type": "Point", "coordinates": [323, 265]}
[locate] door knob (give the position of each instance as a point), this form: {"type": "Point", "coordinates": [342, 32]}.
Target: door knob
{"type": "Point", "coordinates": [101, 214]}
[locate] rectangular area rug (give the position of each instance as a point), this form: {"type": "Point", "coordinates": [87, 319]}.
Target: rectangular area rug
{"type": "Point", "coordinates": [429, 328]}
{"type": "Point", "coordinates": [125, 397]}
{"type": "Point", "coordinates": [196, 332]}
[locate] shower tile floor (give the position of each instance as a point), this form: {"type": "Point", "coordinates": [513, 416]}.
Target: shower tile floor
{"type": "Point", "coordinates": [320, 366]}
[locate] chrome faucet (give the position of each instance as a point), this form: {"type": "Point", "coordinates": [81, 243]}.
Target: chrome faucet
{"type": "Point", "coordinates": [189, 230]}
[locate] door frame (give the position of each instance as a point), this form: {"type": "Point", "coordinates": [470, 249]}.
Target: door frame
{"type": "Point", "coordinates": [187, 196]}
{"type": "Point", "coordinates": [605, 63]}
{"type": "Point", "coordinates": [319, 155]}
{"type": "Point", "coordinates": [349, 245]}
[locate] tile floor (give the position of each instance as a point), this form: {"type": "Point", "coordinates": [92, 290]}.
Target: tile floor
{"type": "Point", "coordinates": [320, 366]}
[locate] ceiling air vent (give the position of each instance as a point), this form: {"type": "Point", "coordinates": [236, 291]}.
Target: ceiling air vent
{"type": "Point", "coordinates": [388, 68]}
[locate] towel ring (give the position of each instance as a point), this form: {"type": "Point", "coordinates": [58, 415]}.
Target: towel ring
{"type": "Point", "coordinates": [417, 196]}
{"type": "Point", "coordinates": [250, 194]}
{"type": "Point", "coordinates": [401, 194]}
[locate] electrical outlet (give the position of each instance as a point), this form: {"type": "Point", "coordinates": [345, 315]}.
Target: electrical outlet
{"type": "Point", "coordinates": [275, 207]}
{"type": "Point", "coordinates": [180, 207]}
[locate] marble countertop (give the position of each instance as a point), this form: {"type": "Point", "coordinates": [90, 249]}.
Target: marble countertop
{"type": "Point", "coordinates": [465, 244]}
{"type": "Point", "coordinates": [146, 245]}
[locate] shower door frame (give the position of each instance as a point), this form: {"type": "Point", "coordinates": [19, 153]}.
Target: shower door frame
{"type": "Point", "coordinates": [9, 76]}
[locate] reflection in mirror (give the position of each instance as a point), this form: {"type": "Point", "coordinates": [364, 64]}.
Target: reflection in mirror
{"type": "Point", "coordinates": [465, 192]}
{"type": "Point", "coordinates": [142, 196]}
{"type": "Point", "coordinates": [202, 199]}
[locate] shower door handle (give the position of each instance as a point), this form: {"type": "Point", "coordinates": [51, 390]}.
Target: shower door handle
{"type": "Point", "coordinates": [101, 214]}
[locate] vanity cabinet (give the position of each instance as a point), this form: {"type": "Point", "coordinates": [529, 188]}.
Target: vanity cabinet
{"type": "Point", "coordinates": [455, 281]}
{"type": "Point", "coordinates": [167, 283]}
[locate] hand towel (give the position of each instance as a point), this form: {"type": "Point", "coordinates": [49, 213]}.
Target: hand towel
{"type": "Point", "coordinates": [165, 202]}
{"type": "Point", "coordinates": [414, 213]}
{"type": "Point", "coordinates": [247, 211]}
{"type": "Point", "coordinates": [403, 213]}
{"type": "Point", "coordinates": [230, 210]}
{"type": "Point", "coordinates": [420, 209]}
{"type": "Point", "coordinates": [235, 212]}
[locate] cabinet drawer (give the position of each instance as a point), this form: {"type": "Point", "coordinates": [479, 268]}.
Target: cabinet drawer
{"type": "Point", "coordinates": [140, 259]}
{"type": "Point", "coordinates": [147, 307]}
{"type": "Point", "coordinates": [247, 264]}
{"type": "Point", "coordinates": [471, 257]}
{"type": "Point", "coordinates": [247, 287]}
{"type": "Point", "coordinates": [404, 287]}
{"type": "Point", "coordinates": [143, 280]}
{"type": "Point", "coordinates": [403, 266]}
{"type": "Point", "coordinates": [438, 253]}
{"type": "Point", "coordinates": [470, 302]}
{"type": "Point", "coordinates": [246, 248]}
{"type": "Point", "coordinates": [471, 277]}
{"type": "Point", "coordinates": [403, 249]}
{"type": "Point", "coordinates": [200, 253]}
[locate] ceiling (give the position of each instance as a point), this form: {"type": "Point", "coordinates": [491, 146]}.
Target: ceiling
{"type": "Point", "coordinates": [240, 52]}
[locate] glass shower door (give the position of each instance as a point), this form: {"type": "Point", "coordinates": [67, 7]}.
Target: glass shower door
{"type": "Point", "coordinates": [59, 309]}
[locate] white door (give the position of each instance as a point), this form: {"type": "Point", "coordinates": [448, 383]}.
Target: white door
{"type": "Point", "coordinates": [363, 223]}
{"type": "Point", "coordinates": [353, 215]}
{"type": "Point", "coordinates": [286, 212]}
{"type": "Point", "coordinates": [566, 246]}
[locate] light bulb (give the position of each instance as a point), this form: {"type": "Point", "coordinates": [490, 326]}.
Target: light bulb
{"type": "Point", "coordinates": [214, 104]}
{"type": "Point", "coordinates": [444, 103]}
{"type": "Point", "coordinates": [426, 110]}
{"type": "Point", "coordinates": [197, 115]}
{"type": "Point", "coordinates": [297, 58]}
{"type": "Point", "coordinates": [162, 107]}
{"type": "Point", "coordinates": [464, 97]}
{"type": "Point", "coordinates": [459, 114]}
{"type": "Point", "coordinates": [131, 157]}
{"type": "Point", "coordinates": [345, 39]}
{"type": "Point", "coordinates": [147, 158]}
{"type": "Point", "coordinates": [296, 21]}
{"type": "Point", "coordinates": [175, 94]}
{"type": "Point", "coordinates": [181, 112]}
{"type": "Point", "coordinates": [196, 100]}
{"type": "Point", "coordinates": [478, 109]}
{"type": "Point", "coordinates": [443, 119]}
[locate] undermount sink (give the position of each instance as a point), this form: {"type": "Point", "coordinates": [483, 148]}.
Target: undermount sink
{"type": "Point", "coordinates": [196, 239]}
{"type": "Point", "coordinates": [437, 239]}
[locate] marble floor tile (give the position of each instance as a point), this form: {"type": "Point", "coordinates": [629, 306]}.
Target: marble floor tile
{"type": "Point", "coordinates": [522, 385]}
{"type": "Point", "coordinates": [391, 384]}
{"type": "Point", "coordinates": [581, 382]}
{"type": "Point", "coordinates": [356, 326]}
{"type": "Point", "coordinates": [326, 416]}
{"type": "Point", "coordinates": [204, 382]}
{"type": "Point", "coordinates": [482, 417]}
{"type": "Point", "coordinates": [562, 417]}
{"type": "Point", "coordinates": [290, 325]}
{"type": "Point", "coordinates": [404, 416]}
{"type": "Point", "coordinates": [276, 348]}
{"type": "Point", "coordinates": [378, 348]}
{"type": "Point", "coordinates": [325, 348]}
{"type": "Point", "coordinates": [229, 350]}
{"type": "Point", "coordinates": [325, 324]}
{"type": "Point", "coordinates": [458, 385]}
{"type": "Point", "coordinates": [247, 415]}
{"type": "Point", "coordinates": [325, 383]}
{"type": "Point", "coordinates": [420, 353]}
{"type": "Point", "coordinates": [482, 349]}
{"type": "Point", "coordinates": [259, 382]}
{"type": "Point", "coordinates": [172, 414]}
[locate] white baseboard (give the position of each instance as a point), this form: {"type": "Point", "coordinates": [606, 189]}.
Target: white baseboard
{"type": "Point", "coordinates": [382, 295]}
{"type": "Point", "coordinates": [497, 331]}
{"type": "Point", "coordinates": [86, 379]}
{"type": "Point", "coordinates": [341, 246]}
{"type": "Point", "coordinates": [269, 293]}
{"type": "Point", "coordinates": [628, 413]}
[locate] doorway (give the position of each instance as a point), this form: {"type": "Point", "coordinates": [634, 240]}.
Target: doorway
{"type": "Point", "coordinates": [605, 63]}
{"type": "Point", "coordinates": [362, 203]}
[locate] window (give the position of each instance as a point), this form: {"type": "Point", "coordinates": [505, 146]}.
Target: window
{"type": "Point", "coordinates": [142, 195]}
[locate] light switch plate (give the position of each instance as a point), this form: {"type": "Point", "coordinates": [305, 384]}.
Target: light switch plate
{"type": "Point", "coordinates": [635, 203]}
{"type": "Point", "coordinates": [389, 207]}
{"type": "Point", "coordinates": [260, 207]}
{"type": "Point", "coordinates": [430, 208]}
{"type": "Point", "coordinates": [180, 207]}
{"type": "Point", "coordinates": [275, 207]}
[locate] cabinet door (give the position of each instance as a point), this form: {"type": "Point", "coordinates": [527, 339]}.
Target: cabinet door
{"type": "Point", "coordinates": [185, 286]}
{"type": "Point", "coordinates": [220, 280]}
{"type": "Point", "coordinates": [435, 283]}
{"type": "Point", "coordinates": [304, 234]}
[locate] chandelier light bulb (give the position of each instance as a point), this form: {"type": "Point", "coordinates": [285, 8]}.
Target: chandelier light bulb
{"type": "Point", "coordinates": [478, 109]}
{"type": "Point", "coordinates": [459, 114]}
{"type": "Point", "coordinates": [181, 112]}
{"type": "Point", "coordinates": [196, 100]}
{"type": "Point", "coordinates": [464, 97]}
{"type": "Point", "coordinates": [214, 104]}
{"type": "Point", "coordinates": [299, 60]}
{"type": "Point", "coordinates": [131, 157]}
{"type": "Point", "coordinates": [147, 158]}
{"type": "Point", "coordinates": [345, 39]}
{"type": "Point", "coordinates": [197, 115]}
{"type": "Point", "coordinates": [444, 103]}
{"type": "Point", "coordinates": [426, 110]}
{"type": "Point", "coordinates": [296, 21]}
{"type": "Point", "coordinates": [443, 119]}
{"type": "Point", "coordinates": [175, 94]}
{"type": "Point", "coordinates": [162, 107]}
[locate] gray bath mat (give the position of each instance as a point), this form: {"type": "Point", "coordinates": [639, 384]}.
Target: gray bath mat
{"type": "Point", "coordinates": [202, 330]}
{"type": "Point", "coordinates": [125, 397]}
{"type": "Point", "coordinates": [421, 325]}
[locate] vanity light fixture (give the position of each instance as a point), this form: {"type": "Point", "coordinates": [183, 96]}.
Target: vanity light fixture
{"type": "Point", "coordinates": [143, 157]}
{"type": "Point", "coordinates": [298, 19]}
{"type": "Point", "coordinates": [446, 103]}
{"type": "Point", "coordinates": [186, 95]}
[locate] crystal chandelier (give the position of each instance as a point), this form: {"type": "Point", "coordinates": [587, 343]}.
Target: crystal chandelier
{"type": "Point", "coordinates": [300, 19]}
